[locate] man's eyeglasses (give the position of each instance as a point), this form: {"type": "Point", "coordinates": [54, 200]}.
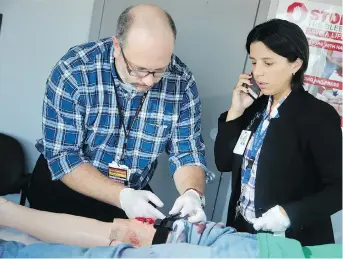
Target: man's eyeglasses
{"type": "Point", "coordinates": [144, 73]}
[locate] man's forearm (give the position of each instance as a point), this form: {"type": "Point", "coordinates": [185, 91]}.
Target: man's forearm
{"type": "Point", "coordinates": [190, 177]}
{"type": "Point", "coordinates": [86, 179]}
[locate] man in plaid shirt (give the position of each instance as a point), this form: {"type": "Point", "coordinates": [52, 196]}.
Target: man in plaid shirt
{"type": "Point", "coordinates": [111, 107]}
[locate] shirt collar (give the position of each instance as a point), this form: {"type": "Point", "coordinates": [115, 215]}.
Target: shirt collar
{"type": "Point", "coordinates": [112, 64]}
{"type": "Point", "coordinates": [120, 86]}
{"type": "Point", "coordinates": [274, 113]}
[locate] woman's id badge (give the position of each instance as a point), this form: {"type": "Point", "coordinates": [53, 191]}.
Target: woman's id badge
{"type": "Point", "coordinates": [242, 142]}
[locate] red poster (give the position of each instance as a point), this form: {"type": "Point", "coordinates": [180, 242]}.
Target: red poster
{"type": "Point", "coordinates": [322, 24]}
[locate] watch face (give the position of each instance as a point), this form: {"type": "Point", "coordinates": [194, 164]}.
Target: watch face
{"type": "Point", "coordinates": [202, 198]}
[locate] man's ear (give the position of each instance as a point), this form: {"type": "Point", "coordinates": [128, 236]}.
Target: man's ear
{"type": "Point", "coordinates": [297, 65]}
{"type": "Point", "coordinates": [117, 48]}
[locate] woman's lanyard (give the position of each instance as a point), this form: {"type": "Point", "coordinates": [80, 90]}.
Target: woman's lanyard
{"type": "Point", "coordinates": [258, 141]}
{"type": "Point", "coordinates": [261, 132]}
{"type": "Point", "coordinates": [257, 144]}
{"type": "Point", "coordinates": [259, 137]}
{"type": "Point", "coordinates": [121, 118]}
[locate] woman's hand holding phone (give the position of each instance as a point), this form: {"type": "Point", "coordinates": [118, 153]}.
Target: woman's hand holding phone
{"type": "Point", "coordinates": [242, 97]}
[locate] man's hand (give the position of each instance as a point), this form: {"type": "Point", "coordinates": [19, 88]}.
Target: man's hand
{"type": "Point", "coordinates": [135, 203]}
{"type": "Point", "coordinates": [274, 220]}
{"type": "Point", "coordinates": [189, 204]}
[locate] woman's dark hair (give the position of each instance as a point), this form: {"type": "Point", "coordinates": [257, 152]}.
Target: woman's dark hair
{"type": "Point", "coordinates": [285, 39]}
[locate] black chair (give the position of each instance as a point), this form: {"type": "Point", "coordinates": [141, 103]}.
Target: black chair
{"type": "Point", "coordinates": [14, 177]}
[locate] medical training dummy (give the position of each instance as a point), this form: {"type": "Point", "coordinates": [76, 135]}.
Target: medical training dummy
{"type": "Point", "coordinates": [63, 235]}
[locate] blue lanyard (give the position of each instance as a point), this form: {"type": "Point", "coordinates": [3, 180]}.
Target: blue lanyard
{"type": "Point", "coordinates": [258, 138]}
{"type": "Point", "coordinates": [257, 144]}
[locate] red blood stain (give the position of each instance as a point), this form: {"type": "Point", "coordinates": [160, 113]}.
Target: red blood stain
{"type": "Point", "coordinates": [201, 227]}
{"type": "Point", "coordinates": [150, 220]}
{"type": "Point", "coordinates": [145, 220]}
{"type": "Point", "coordinates": [140, 219]}
{"type": "Point", "coordinates": [133, 239]}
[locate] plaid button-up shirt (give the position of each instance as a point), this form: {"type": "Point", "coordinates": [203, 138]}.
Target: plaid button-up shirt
{"type": "Point", "coordinates": [81, 122]}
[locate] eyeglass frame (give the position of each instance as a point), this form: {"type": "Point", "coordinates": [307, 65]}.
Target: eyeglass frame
{"type": "Point", "coordinates": [129, 70]}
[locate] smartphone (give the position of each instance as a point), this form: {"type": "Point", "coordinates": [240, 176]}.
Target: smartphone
{"type": "Point", "coordinates": [254, 89]}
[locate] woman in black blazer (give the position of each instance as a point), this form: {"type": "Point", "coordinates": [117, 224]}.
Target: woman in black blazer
{"type": "Point", "coordinates": [287, 174]}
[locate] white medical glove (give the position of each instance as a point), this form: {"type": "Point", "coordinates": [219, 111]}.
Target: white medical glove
{"type": "Point", "coordinates": [273, 220]}
{"type": "Point", "coordinates": [135, 203]}
{"type": "Point", "coordinates": [189, 204]}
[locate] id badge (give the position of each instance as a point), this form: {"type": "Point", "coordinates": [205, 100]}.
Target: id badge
{"type": "Point", "coordinates": [242, 142]}
{"type": "Point", "coordinates": [118, 173]}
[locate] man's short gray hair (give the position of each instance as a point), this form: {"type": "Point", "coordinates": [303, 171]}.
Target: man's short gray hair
{"type": "Point", "coordinates": [126, 19]}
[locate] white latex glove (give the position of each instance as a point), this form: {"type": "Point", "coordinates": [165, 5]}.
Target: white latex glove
{"type": "Point", "coordinates": [273, 220]}
{"type": "Point", "coordinates": [189, 204]}
{"type": "Point", "coordinates": [135, 203]}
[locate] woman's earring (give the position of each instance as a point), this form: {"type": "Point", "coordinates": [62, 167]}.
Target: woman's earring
{"type": "Point", "coordinates": [293, 74]}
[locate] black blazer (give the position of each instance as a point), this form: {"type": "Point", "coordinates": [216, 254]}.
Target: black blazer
{"type": "Point", "coordinates": [299, 167]}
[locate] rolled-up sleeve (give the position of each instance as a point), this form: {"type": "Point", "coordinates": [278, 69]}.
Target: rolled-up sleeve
{"type": "Point", "coordinates": [187, 146]}
{"type": "Point", "coordinates": [63, 122]}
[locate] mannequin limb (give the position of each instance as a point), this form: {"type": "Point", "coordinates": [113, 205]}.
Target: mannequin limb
{"type": "Point", "coordinates": [74, 230]}
{"type": "Point", "coordinates": [132, 231]}
{"type": "Point", "coordinates": [53, 227]}
{"type": "Point", "coordinates": [2, 201]}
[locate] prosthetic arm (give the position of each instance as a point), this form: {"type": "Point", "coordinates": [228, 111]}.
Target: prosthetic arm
{"type": "Point", "coordinates": [74, 230]}
{"type": "Point", "coordinates": [56, 228]}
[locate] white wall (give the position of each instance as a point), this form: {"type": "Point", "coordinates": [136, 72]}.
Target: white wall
{"type": "Point", "coordinates": [34, 35]}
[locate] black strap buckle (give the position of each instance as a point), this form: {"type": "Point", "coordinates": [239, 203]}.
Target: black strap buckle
{"type": "Point", "coordinates": [250, 162]}
{"type": "Point", "coordinates": [167, 222]}
{"type": "Point", "coordinates": [163, 227]}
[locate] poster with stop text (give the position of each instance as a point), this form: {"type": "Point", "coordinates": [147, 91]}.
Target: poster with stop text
{"type": "Point", "coordinates": [322, 25]}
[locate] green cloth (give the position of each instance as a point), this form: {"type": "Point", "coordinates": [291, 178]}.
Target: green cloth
{"type": "Point", "coordinates": [280, 247]}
